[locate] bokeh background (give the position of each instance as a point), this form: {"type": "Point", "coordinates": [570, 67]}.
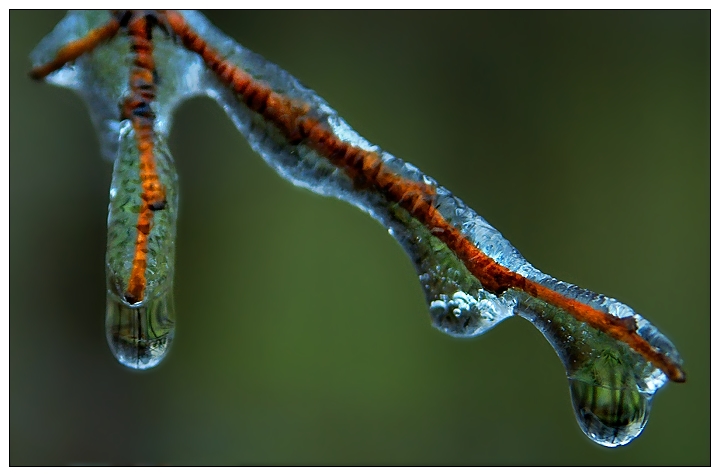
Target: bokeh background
{"type": "Point", "coordinates": [303, 336]}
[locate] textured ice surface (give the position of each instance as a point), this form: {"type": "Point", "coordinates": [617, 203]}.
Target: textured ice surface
{"type": "Point", "coordinates": [101, 76]}
{"type": "Point", "coordinates": [140, 334]}
{"type": "Point", "coordinates": [611, 386]}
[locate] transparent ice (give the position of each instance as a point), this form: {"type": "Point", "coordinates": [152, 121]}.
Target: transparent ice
{"type": "Point", "coordinates": [139, 334]}
{"type": "Point", "coordinates": [611, 386]}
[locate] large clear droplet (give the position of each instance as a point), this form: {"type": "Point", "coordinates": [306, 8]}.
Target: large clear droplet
{"type": "Point", "coordinates": [611, 386]}
{"type": "Point", "coordinates": [139, 335]}
{"type": "Point", "coordinates": [609, 406]}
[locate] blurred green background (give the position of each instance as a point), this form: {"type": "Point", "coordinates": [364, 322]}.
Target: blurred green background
{"type": "Point", "coordinates": [303, 336]}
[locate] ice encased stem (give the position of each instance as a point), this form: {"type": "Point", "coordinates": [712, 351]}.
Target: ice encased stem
{"type": "Point", "coordinates": [139, 334]}
{"type": "Point", "coordinates": [125, 205]}
{"type": "Point", "coordinates": [611, 386]}
{"type": "Point", "coordinates": [101, 76]}
{"type": "Point", "coordinates": [458, 304]}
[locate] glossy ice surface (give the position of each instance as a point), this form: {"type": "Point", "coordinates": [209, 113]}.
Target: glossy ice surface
{"type": "Point", "coordinates": [611, 386]}
{"type": "Point", "coordinates": [140, 334]}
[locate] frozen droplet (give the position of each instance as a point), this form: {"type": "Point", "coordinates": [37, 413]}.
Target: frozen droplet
{"type": "Point", "coordinates": [139, 335]}
{"type": "Point", "coordinates": [459, 306]}
{"type": "Point", "coordinates": [609, 406]}
{"type": "Point", "coordinates": [611, 386]}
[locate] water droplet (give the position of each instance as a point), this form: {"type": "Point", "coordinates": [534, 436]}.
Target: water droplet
{"type": "Point", "coordinates": [610, 405]}
{"type": "Point", "coordinates": [139, 335]}
{"type": "Point", "coordinates": [609, 415]}
{"type": "Point", "coordinates": [611, 386]}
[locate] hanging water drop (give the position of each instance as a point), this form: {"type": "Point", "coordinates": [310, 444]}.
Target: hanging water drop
{"type": "Point", "coordinates": [609, 406]}
{"type": "Point", "coordinates": [139, 335]}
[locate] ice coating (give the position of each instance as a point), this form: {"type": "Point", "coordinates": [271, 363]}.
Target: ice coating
{"type": "Point", "coordinates": [611, 385]}
{"type": "Point", "coordinates": [100, 76]}
{"type": "Point", "coordinates": [139, 334]}
{"type": "Point", "coordinates": [125, 201]}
